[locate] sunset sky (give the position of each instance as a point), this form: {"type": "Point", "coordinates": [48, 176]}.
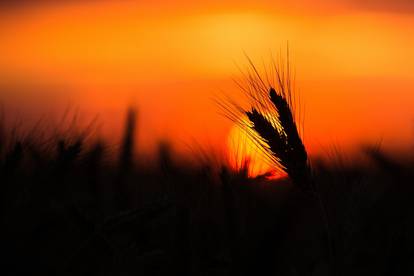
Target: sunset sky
{"type": "Point", "coordinates": [354, 64]}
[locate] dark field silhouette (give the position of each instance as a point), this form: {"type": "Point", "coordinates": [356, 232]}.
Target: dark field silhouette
{"type": "Point", "coordinates": [68, 209]}
{"type": "Point", "coordinates": [74, 205]}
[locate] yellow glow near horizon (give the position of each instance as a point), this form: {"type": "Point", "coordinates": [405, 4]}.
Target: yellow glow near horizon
{"type": "Point", "coordinates": [351, 65]}
{"type": "Point", "coordinates": [244, 150]}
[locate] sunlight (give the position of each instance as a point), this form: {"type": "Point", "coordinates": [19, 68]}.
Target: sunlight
{"type": "Point", "coordinates": [243, 151]}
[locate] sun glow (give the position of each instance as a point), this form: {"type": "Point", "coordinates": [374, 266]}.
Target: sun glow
{"type": "Point", "coordinates": [243, 152]}
{"type": "Point", "coordinates": [106, 55]}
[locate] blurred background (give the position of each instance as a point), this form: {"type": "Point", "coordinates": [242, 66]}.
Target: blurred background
{"type": "Point", "coordinates": [353, 60]}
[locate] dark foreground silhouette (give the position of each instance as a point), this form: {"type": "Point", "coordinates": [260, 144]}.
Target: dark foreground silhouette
{"type": "Point", "coordinates": [66, 209]}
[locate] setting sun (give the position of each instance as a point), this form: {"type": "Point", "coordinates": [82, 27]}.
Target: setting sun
{"type": "Point", "coordinates": [218, 137]}
{"type": "Point", "coordinates": [171, 61]}
{"type": "Point", "coordinates": [244, 153]}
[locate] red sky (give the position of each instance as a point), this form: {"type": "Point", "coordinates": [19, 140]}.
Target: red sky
{"type": "Point", "coordinates": [353, 59]}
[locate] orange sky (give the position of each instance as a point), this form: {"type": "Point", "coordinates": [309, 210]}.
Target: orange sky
{"type": "Point", "coordinates": [354, 63]}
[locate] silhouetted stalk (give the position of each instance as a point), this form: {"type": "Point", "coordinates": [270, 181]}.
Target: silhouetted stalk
{"type": "Point", "coordinates": [126, 160]}
{"type": "Point", "coordinates": [286, 146]}
{"type": "Point", "coordinates": [272, 127]}
{"type": "Point", "coordinates": [127, 148]}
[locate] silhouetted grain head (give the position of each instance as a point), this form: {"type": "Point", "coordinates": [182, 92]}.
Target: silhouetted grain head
{"type": "Point", "coordinates": [165, 161]}
{"type": "Point", "coordinates": [127, 147]}
{"type": "Point", "coordinates": [296, 157]}
{"type": "Point", "coordinates": [270, 120]}
{"type": "Point", "coordinates": [275, 139]}
{"type": "Point", "coordinates": [285, 116]}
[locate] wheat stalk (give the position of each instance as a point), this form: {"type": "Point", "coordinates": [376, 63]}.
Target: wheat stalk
{"type": "Point", "coordinates": [273, 125]}
{"type": "Point", "coordinates": [284, 142]}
